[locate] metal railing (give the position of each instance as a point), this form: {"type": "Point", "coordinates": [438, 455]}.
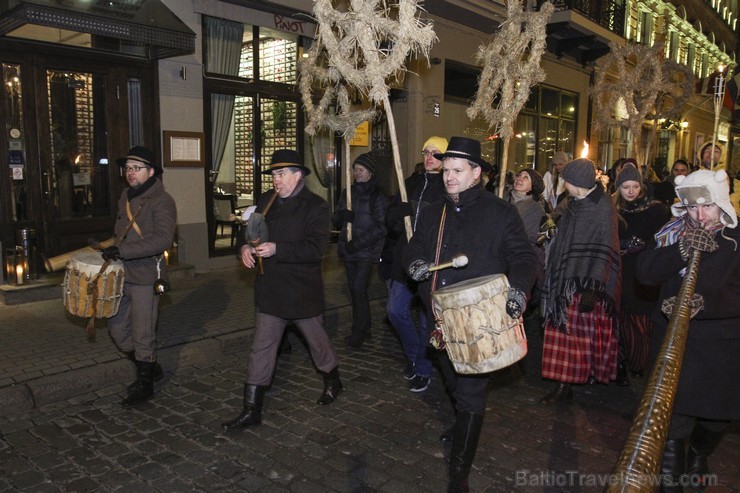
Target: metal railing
{"type": "Point", "coordinates": [608, 14]}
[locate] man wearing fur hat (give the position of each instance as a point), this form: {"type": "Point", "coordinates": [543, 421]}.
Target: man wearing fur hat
{"type": "Point", "coordinates": [422, 189]}
{"type": "Point", "coordinates": [144, 229]}
{"type": "Point", "coordinates": [580, 299]}
{"type": "Point", "coordinates": [488, 230]}
{"type": "Point", "coordinates": [291, 286]}
{"type": "Point", "coordinates": [366, 221]}
{"type": "Point", "coordinates": [708, 395]}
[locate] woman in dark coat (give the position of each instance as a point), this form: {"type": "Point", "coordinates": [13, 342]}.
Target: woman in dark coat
{"type": "Point", "coordinates": [367, 219]}
{"type": "Point", "coordinates": [639, 219]}
{"type": "Point", "coordinates": [708, 395]}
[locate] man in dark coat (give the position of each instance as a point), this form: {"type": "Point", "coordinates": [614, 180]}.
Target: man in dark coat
{"type": "Point", "coordinates": [708, 395]}
{"type": "Point", "coordinates": [367, 220]}
{"type": "Point", "coordinates": [665, 190]}
{"type": "Point", "coordinates": [144, 229]}
{"type": "Point", "coordinates": [291, 288]}
{"type": "Point", "coordinates": [422, 189]}
{"type": "Point", "coordinates": [491, 234]}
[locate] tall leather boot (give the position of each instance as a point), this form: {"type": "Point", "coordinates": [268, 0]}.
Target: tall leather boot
{"type": "Point", "coordinates": [702, 444]}
{"type": "Point", "coordinates": [143, 387]}
{"type": "Point", "coordinates": [563, 392]}
{"type": "Point", "coordinates": [251, 414]}
{"type": "Point", "coordinates": [673, 465]}
{"type": "Point", "coordinates": [464, 444]}
{"type": "Point", "coordinates": [623, 379]}
{"type": "Point", "coordinates": [157, 372]}
{"type": "Point", "coordinates": [332, 387]}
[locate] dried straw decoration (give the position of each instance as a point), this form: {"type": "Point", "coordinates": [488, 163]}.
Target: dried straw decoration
{"type": "Point", "coordinates": [511, 66]}
{"type": "Point", "coordinates": [679, 83]}
{"type": "Point", "coordinates": [365, 45]}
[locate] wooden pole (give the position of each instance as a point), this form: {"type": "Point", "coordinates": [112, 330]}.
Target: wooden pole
{"type": "Point", "coordinates": [502, 174]}
{"type": "Point", "coordinates": [397, 163]}
{"type": "Point", "coordinates": [348, 180]}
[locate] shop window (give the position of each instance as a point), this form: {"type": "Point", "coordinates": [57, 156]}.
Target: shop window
{"type": "Point", "coordinates": [550, 101]}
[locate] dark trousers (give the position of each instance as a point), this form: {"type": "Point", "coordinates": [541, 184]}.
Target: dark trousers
{"type": "Point", "coordinates": [469, 391]}
{"type": "Point", "coordinates": [358, 278]}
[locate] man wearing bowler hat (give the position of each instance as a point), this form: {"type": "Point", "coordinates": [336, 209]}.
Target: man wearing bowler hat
{"type": "Point", "coordinates": [291, 287]}
{"type": "Point", "coordinates": [144, 229]}
{"type": "Point", "coordinates": [489, 231]}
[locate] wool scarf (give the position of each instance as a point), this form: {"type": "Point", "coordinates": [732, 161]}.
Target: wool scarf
{"type": "Point", "coordinates": [584, 256]}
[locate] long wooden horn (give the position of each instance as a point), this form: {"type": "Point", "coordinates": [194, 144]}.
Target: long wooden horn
{"type": "Point", "coordinates": [60, 261]}
{"type": "Point", "coordinates": [639, 465]}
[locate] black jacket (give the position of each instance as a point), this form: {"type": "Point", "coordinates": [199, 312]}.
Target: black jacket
{"type": "Point", "coordinates": [369, 205]}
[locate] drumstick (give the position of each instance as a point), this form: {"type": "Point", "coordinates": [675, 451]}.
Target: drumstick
{"type": "Point", "coordinates": [456, 263]}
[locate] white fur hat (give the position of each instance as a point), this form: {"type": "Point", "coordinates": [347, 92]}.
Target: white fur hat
{"type": "Point", "coordinates": [705, 187]}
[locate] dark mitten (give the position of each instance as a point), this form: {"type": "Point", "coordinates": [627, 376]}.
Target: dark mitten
{"type": "Point", "coordinates": [403, 209]}
{"type": "Point", "coordinates": [697, 239]}
{"type": "Point", "coordinates": [111, 253]}
{"type": "Point", "coordinates": [548, 231]}
{"type": "Point", "coordinates": [588, 301]}
{"type": "Point", "coordinates": [419, 270]}
{"type": "Point", "coordinates": [632, 246]}
{"type": "Point", "coordinates": [347, 215]}
{"type": "Point", "coordinates": [516, 303]}
{"type": "Point", "coordinates": [350, 247]}
{"type": "Point", "coordinates": [437, 339]}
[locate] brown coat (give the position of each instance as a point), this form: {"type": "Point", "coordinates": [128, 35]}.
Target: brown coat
{"type": "Point", "coordinates": [156, 220]}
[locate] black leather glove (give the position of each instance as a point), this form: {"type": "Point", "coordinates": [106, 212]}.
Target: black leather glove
{"type": "Point", "coordinates": [405, 209]}
{"type": "Point", "coordinates": [516, 303]}
{"type": "Point", "coordinates": [350, 247]}
{"type": "Point", "coordinates": [697, 239]}
{"type": "Point", "coordinates": [111, 253]}
{"type": "Point", "coordinates": [419, 270]}
{"type": "Point", "coordinates": [347, 215]}
{"type": "Point", "coordinates": [588, 301]}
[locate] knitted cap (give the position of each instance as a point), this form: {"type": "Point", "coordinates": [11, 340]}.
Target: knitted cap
{"type": "Point", "coordinates": [628, 173]}
{"type": "Point", "coordinates": [580, 172]}
{"type": "Point", "coordinates": [538, 184]}
{"type": "Point", "coordinates": [704, 187]}
{"type": "Point", "coordinates": [366, 160]}
{"type": "Point", "coordinates": [439, 143]}
{"type": "Point", "coordinates": [560, 157]}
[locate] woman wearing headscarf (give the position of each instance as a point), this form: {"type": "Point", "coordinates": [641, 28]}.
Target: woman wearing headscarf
{"type": "Point", "coordinates": [639, 219]}
{"type": "Point", "coordinates": [582, 287]}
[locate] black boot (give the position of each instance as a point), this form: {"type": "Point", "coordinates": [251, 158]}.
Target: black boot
{"type": "Point", "coordinates": [702, 444]}
{"type": "Point", "coordinates": [157, 372]}
{"type": "Point", "coordinates": [332, 387]}
{"type": "Point", "coordinates": [622, 379]}
{"type": "Point", "coordinates": [673, 466]}
{"type": "Point", "coordinates": [143, 387]}
{"type": "Point", "coordinates": [464, 443]}
{"type": "Point", "coordinates": [252, 412]}
{"type": "Point", "coordinates": [563, 392]}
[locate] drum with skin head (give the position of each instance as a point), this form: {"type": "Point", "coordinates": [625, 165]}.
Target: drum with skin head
{"type": "Point", "coordinates": [480, 336]}
{"type": "Point", "coordinates": [86, 291]}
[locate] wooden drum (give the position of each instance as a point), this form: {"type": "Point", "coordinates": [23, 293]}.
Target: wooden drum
{"type": "Point", "coordinates": [480, 336]}
{"type": "Point", "coordinates": [87, 294]}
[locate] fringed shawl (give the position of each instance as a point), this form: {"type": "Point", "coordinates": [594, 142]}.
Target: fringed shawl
{"type": "Point", "coordinates": [584, 256]}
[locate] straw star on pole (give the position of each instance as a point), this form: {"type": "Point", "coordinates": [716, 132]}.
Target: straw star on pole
{"type": "Point", "coordinates": [366, 45]}
{"type": "Point", "coordinates": [511, 66]}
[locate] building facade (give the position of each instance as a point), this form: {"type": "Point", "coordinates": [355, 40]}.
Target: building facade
{"type": "Point", "coordinates": [212, 87]}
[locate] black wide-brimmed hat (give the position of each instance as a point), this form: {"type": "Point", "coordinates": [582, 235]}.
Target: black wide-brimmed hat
{"type": "Point", "coordinates": [465, 148]}
{"type": "Point", "coordinates": [286, 158]}
{"type": "Point", "coordinates": [142, 155]}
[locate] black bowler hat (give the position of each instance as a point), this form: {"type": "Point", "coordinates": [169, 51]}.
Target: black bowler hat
{"type": "Point", "coordinates": [142, 155]}
{"type": "Point", "coordinates": [286, 158]}
{"type": "Point", "coordinates": [465, 148]}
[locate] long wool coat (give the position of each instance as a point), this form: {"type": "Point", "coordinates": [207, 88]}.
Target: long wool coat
{"type": "Point", "coordinates": [156, 220]}
{"type": "Point", "coordinates": [292, 286]}
{"type": "Point", "coordinates": [486, 229]}
{"type": "Point", "coordinates": [709, 386]}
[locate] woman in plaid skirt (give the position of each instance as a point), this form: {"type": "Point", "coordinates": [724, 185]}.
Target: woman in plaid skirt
{"type": "Point", "coordinates": [582, 287]}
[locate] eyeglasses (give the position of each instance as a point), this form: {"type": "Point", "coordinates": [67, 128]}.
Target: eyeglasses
{"type": "Point", "coordinates": [428, 153]}
{"type": "Point", "coordinates": [135, 169]}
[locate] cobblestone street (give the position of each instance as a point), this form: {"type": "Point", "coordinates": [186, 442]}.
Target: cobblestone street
{"type": "Point", "coordinates": [376, 437]}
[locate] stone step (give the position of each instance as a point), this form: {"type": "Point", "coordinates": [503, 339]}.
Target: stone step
{"type": "Point", "coordinates": [48, 286]}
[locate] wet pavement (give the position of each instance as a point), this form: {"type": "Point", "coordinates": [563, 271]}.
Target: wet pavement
{"type": "Point", "coordinates": [62, 428]}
